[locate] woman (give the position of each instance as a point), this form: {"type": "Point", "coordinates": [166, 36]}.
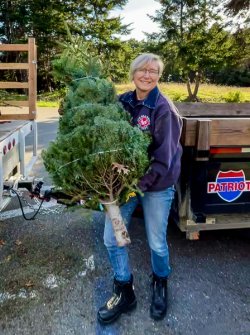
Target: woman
{"type": "Point", "coordinates": [150, 111]}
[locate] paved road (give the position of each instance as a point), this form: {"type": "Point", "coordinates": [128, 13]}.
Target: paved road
{"type": "Point", "coordinates": [55, 274]}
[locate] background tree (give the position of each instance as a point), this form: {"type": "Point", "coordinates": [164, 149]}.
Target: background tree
{"type": "Point", "coordinates": [187, 41]}
{"type": "Point", "coordinates": [21, 19]}
{"type": "Point", "coordinates": [235, 70]}
{"type": "Point", "coordinates": [119, 61]}
{"type": "Point", "coordinates": [236, 6]}
{"type": "Point", "coordinates": [185, 29]}
{"type": "Point", "coordinates": [45, 20]}
{"type": "Point", "coordinates": [194, 43]}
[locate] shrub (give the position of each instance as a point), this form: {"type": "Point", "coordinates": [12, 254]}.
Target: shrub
{"type": "Point", "coordinates": [235, 96]}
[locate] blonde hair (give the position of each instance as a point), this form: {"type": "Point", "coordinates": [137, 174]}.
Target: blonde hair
{"type": "Point", "coordinates": [144, 59]}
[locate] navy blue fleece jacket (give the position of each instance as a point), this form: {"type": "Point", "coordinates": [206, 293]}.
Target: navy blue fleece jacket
{"type": "Point", "coordinates": [159, 116]}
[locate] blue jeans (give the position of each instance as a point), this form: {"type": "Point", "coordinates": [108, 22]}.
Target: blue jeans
{"type": "Point", "coordinates": [156, 207]}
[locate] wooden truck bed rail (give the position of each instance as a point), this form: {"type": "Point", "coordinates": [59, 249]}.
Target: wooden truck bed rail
{"type": "Point", "coordinates": [206, 110]}
{"type": "Point", "coordinates": [203, 133]}
{"type": "Point", "coordinates": [16, 123]}
{"type": "Point", "coordinates": [209, 125]}
{"type": "Point", "coordinates": [30, 85]}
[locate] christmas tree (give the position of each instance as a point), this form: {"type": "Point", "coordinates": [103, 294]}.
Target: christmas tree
{"type": "Point", "coordinates": [97, 156]}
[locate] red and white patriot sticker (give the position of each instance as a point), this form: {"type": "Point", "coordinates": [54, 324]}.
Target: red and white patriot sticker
{"type": "Point", "coordinates": [229, 185]}
{"type": "Point", "coordinates": [143, 122]}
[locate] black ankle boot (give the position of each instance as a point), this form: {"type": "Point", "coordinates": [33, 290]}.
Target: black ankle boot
{"type": "Point", "coordinates": [158, 308]}
{"type": "Point", "coordinates": [122, 300]}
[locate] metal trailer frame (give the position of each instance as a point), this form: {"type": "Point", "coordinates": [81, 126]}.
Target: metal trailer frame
{"type": "Point", "coordinates": [13, 164]}
{"type": "Point", "coordinates": [16, 126]}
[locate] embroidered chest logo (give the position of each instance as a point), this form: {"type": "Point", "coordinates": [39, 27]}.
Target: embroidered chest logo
{"type": "Point", "coordinates": [143, 122]}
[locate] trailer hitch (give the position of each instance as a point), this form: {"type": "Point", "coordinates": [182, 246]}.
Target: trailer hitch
{"type": "Point", "coordinates": [58, 195]}
{"type": "Point", "coordinates": [35, 192]}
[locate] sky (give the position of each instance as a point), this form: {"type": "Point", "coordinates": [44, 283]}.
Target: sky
{"type": "Point", "coordinates": [135, 12]}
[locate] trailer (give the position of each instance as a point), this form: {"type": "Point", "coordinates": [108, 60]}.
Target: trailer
{"type": "Point", "coordinates": [214, 187]}
{"type": "Point", "coordinates": [17, 120]}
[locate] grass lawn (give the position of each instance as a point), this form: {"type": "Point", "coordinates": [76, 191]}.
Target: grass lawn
{"type": "Point", "coordinates": [206, 93]}
{"type": "Point", "coordinates": [44, 103]}
{"type": "Point", "coordinates": [176, 92]}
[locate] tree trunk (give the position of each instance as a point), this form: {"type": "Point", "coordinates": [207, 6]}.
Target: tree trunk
{"type": "Point", "coordinates": [192, 96]}
{"type": "Point", "coordinates": [120, 230]}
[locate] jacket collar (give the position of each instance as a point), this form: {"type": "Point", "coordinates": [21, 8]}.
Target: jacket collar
{"type": "Point", "coordinates": [149, 102]}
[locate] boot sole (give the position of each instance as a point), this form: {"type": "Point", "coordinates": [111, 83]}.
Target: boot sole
{"type": "Point", "coordinates": [129, 308]}
{"type": "Point", "coordinates": [158, 317]}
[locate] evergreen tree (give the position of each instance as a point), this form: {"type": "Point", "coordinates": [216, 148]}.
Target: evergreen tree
{"type": "Point", "coordinates": [235, 7]}
{"type": "Point", "coordinates": [188, 39]}
{"type": "Point", "coordinates": [97, 156]}
{"type": "Point", "coordinates": [45, 20]}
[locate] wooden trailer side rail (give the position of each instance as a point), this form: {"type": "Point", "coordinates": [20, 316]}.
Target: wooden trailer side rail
{"type": "Point", "coordinates": [207, 125]}
{"type": "Point", "coordinates": [207, 128]}
{"type": "Point", "coordinates": [207, 110]}
{"type": "Point", "coordinates": [31, 84]}
{"type": "Point", "coordinates": [206, 133]}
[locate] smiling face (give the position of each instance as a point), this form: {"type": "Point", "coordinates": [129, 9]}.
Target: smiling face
{"type": "Point", "coordinates": [146, 78]}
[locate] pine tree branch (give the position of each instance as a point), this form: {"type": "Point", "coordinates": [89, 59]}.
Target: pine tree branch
{"type": "Point", "coordinates": [121, 188]}
{"type": "Point", "coordinates": [101, 175]}
{"type": "Point", "coordinates": [86, 77]}
{"type": "Point", "coordinates": [101, 181]}
{"type": "Point", "coordinates": [75, 160]}
{"type": "Point", "coordinates": [87, 182]}
{"type": "Point", "coordinates": [111, 185]}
